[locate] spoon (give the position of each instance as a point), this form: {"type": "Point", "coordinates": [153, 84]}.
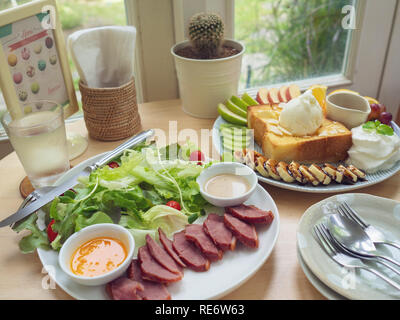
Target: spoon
{"type": "Point", "coordinates": [354, 238]}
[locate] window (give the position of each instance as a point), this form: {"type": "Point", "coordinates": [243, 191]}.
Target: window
{"type": "Point", "coordinates": [290, 40]}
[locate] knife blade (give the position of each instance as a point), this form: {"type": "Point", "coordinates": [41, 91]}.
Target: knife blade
{"type": "Point", "coordinates": [60, 189]}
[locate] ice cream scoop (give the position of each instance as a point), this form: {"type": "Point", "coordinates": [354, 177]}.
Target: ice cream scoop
{"type": "Point", "coordinates": [302, 116]}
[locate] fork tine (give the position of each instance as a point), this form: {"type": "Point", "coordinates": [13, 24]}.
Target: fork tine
{"type": "Point", "coordinates": [328, 238]}
{"type": "Point", "coordinates": [344, 213]}
{"type": "Point", "coordinates": [324, 243]}
{"type": "Point", "coordinates": [30, 198]}
{"type": "Point", "coordinates": [354, 215]}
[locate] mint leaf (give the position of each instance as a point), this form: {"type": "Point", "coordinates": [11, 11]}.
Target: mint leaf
{"type": "Point", "coordinates": [370, 125]}
{"type": "Point", "coordinates": [385, 130]}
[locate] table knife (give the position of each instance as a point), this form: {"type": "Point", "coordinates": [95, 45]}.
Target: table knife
{"type": "Point", "coordinates": [60, 189]}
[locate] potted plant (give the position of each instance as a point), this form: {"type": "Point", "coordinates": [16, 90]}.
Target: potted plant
{"type": "Point", "coordinates": [207, 65]}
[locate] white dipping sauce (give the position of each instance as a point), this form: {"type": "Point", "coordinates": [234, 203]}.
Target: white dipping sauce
{"type": "Point", "coordinates": [227, 186]}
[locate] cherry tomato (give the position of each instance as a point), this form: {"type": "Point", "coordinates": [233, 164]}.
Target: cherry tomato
{"type": "Point", "coordinates": [174, 204]}
{"type": "Point", "coordinates": [113, 164]}
{"type": "Point", "coordinates": [50, 233]}
{"type": "Point", "coordinates": [63, 194]}
{"type": "Point", "coordinates": [197, 156]}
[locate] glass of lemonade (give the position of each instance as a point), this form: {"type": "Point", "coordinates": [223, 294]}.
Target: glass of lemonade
{"type": "Point", "coordinates": [39, 139]}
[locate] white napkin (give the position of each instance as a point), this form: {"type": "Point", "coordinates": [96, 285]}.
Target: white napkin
{"type": "Point", "coordinates": [104, 57]}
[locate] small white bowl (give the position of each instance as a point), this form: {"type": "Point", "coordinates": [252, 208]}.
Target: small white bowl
{"type": "Point", "coordinates": [98, 230]}
{"type": "Point", "coordinates": [227, 168]}
{"type": "Point", "coordinates": [348, 108]}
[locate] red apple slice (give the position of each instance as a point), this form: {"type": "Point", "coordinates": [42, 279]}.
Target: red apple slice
{"type": "Point", "coordinates": [262, 96]}
{"type": "Point", "coordinates": [273, 96]}
{"type": "Point", "coordinates": [293, 91]}
{"type": "Point", "coordinates": [282, 94]}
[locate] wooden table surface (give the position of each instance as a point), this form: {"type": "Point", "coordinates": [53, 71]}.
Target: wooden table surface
{"type": "Point", "coordinates": [281, 277]}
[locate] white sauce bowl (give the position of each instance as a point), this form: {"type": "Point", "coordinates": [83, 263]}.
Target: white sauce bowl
{"type": "Point", "coordinates": [98, 230]}
{"type": "Point", "coordinates": [227, 168]}
{"type": "Point", "coordinates": [349, 108]}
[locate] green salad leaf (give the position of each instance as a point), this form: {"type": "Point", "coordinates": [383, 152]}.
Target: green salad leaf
{"type": "Point", "coordinates": [132, 195]}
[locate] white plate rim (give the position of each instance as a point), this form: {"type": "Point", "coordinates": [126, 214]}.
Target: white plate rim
{"type": "Point", "coordinates": [302, 229]}
{"type": "Point", "coordinates": [334, 188]}
{"type": "Point", "coordinates": [315, 281]}
{"type": "Point", "coordinates": [235, 284]}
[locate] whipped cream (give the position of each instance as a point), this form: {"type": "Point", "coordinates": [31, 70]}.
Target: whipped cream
{"type": "Point", "coordinates": [302, 116]}
{"type": "Point", "coordinates": [372, 151]}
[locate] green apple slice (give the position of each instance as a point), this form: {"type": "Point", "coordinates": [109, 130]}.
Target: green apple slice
{"type": "Point", "coordinates": [236, 139]}
{"type": "Point", "coordinates": [235, 109]}
{"type": "Point", "coordinates": [249, 100]}
{"type": "Point", "coordinates": [240, 103]}
{"type": "Point", "coordinates": [235, 133]}
{"type": "Point", "coordinates": [229, 116]}
{"type": "Point", "coordinates": [228, 157]}
{"type": "Point", "coordinates": [234, 146]}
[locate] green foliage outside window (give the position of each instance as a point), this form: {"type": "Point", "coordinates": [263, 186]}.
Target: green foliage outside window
{"type": "Point", "coordinates": [298, 39]}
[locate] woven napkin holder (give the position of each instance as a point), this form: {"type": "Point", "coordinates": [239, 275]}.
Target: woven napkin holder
{"type": "Point", "coordinates": [110, 113]}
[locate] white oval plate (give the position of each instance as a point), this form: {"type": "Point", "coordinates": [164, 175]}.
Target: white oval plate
{"type": "Point", "coordinates": [332, 188]}
{"type": "Point", "coordinates": [223, 276]}
{"type": "Point", "coordinates": [361, 285]}
{"type": "Point", "coordinates": [318, 284]}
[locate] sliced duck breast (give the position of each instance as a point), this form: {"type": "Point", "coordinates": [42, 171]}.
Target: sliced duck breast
{"type": "Point", "coordinates": [221, 235]}
{"type": "Point", "coordinates": [246, 233]}
{"type": "Point", "coordinates": [251, 214]}
{"type": "Point", "coordinates": [167, 244]}
{"type": "Point", "coordinates": [151, 290]}
{"type": "Point", "coordinates": [196, 234]}
{"type": "Point", "coordinates": [189, 253]}
{"type": "Point", "coordinates": [124, 288]}
{"type": "Point", "coordinates": [152, 270]}
{"type": "Point", "coordinates": [161, 256]}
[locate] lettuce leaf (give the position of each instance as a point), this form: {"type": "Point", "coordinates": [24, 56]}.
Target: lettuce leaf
{"type": "Point", "coordinates": [36, 238]}
{"type": "Point", "coordinates": [133, 195]}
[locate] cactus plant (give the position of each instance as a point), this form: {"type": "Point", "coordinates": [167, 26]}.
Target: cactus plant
{"type": "Point", "coordinates": [206, 33]}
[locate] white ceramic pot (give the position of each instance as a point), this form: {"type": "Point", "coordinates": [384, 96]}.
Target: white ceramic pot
{"type": "Point", "coordinates": [205, 83]}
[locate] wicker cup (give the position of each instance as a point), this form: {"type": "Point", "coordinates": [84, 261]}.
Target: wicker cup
{"type": "Point", "coordinates": [110, 113]}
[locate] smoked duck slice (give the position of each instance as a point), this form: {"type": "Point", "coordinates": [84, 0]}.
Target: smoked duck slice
{"type": "Point", "coordinates": [167, 244]}
{"type": "Point", "coordinates": [161, 256]}
{"type": "Point", "coordinates": [124, 288]}
{"type": "Point", "coordinates": [222, 236]}
{"type": "Point", "coordinates": [152, 270]}
{"type": "Point", "coordinates": [246, 233]}
{"type": "Point", "coordinates": [196, 234]}
{"type": "Point", "coordinates": [151, 290]}
{"type": "Point", "coordinates": [189, 253]}
{"type": "Point", "coordinates": [251, 214]}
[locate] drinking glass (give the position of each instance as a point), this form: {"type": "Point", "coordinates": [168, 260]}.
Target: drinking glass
{"type": "Point", "coordinates": [39, 139]}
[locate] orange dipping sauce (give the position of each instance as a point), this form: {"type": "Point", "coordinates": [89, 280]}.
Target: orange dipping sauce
{"type": "Point", "coordinates": [98, 256]}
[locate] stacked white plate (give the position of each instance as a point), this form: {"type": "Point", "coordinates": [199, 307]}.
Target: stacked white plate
{"type": "Point", "coordinates": [334, 281]}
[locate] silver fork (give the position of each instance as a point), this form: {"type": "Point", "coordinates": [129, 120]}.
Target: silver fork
{"type": "Point", "coordinates": [354, 254]}
{"type": "Point", "coordinates": [376, 235]}
{"type": "Point", "coordinates": [344, 260]}
{"type": "Point", "coordinates": [33, 196]}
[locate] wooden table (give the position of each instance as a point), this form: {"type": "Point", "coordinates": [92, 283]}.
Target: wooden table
{"type": "Point", "coordinates": [281, 277]}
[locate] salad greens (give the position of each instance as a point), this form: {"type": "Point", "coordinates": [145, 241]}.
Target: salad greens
{"type": "Point", "coordinates": [132, 195]}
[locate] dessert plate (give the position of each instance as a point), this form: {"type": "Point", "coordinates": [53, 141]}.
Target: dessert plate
{"type": "Point", "coordinates": [384, 214]}
{"type": "Point", "coordinates": [223, 276]}
{"type": "Point", "coordinates": [372, 179]}
{"type": "Point", "coordinates": [318, 284]}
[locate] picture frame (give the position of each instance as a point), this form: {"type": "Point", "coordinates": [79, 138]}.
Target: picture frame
{"type": "Point", "coordinates": [33, 59]}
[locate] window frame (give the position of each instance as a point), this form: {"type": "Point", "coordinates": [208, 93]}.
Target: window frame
{"type": "Point", "coordinates": [364, 71]}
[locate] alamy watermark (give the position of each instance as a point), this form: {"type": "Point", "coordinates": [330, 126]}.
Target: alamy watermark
{"type": "Point", "coordinates": [349, 20]}
{"type": "Point", "coordinates": [49, 20]}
